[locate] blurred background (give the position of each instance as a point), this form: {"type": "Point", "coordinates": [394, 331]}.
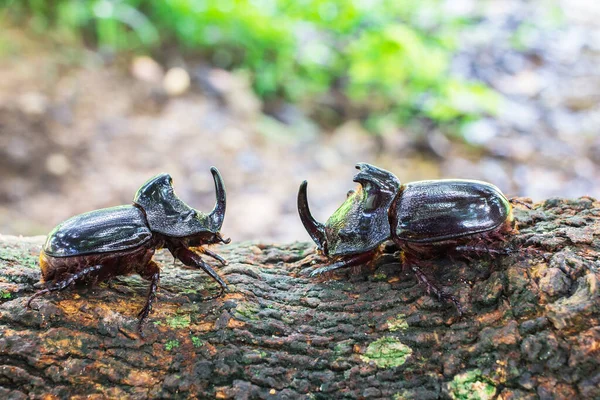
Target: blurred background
{"type": "Point", "coordinates": [98, 96]}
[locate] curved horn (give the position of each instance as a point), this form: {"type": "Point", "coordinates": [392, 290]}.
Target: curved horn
{"type": "Point", "coordinates": [217, 215]}
{"type": "Point", "coordinates": [379, 178]}
{"type": "Point", "coordinates": [315, 229]}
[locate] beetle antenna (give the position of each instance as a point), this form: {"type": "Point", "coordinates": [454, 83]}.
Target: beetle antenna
{"type": "Point", "coordinates": [217, 215]}
{"type": "Point", "coordinates": [220, 238]}
{"type": "Point", "coordinates": [315, 229]}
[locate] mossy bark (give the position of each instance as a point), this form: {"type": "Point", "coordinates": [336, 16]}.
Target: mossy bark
{"type": "Point", "coordinates": [531, 329]}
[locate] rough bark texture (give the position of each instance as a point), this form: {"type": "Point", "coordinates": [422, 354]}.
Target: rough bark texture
{"type": "Point", "coordinates": [531, 329]}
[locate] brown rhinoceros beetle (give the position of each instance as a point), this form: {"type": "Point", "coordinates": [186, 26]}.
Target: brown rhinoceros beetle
{"type": "Point", "coordinates": [102, 244]}
{"type": "Point", "coordinates": [422, 218]}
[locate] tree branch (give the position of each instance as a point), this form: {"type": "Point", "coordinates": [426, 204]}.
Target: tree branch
{"type": "Point", "coordinates": [531, 326]}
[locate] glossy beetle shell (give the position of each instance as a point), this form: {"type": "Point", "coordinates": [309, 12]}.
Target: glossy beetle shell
{"type": "Point", "coordinates": [435, 211]}
{"type": "Point", "coordinates": [100, 231]}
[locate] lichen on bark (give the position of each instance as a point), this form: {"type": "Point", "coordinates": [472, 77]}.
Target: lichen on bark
{"type": "Point", "coordinates": [531, 328]}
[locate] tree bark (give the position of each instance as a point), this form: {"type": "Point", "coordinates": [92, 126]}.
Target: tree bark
{"type": "Point", "coordinates": [531, 328]}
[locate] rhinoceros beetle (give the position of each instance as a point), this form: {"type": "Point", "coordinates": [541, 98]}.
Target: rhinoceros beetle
{"type": "Point", "coordinates": [102, 244]}
{"type": "Point", "coordinates": [421, 218]}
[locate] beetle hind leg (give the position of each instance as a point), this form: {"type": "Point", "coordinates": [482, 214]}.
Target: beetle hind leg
{"type": "Point", "coordinates": [492, 244]}
{"type": "Point", "coordinates": [151, 272]}
{"type": "Point", "coordinates": [434, 289]}
{"type": "Point", "coordinates": [491, 251]}
{"type": "Point", "coordinates": [62, 285]}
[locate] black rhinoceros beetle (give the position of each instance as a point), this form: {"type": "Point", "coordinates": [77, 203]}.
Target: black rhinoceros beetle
{"type": "Point", "coordinates": [102, 244]}
{"type": "Point", "coordinates": [420, 217]}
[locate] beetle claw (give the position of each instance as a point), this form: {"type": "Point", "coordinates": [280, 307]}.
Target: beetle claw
{"type": "Point", "coordinates": [326, 268]}
{"type": "Point", "coordinates": [222, 290]}
{"type": "Point", "coordinates": [215, 256]}
{"type": "Point", "coordinates": [41, 292]}
{"type": "Point", "coordinates": [140, 330]}
{"type": "Point", "coordinates": [317, 272]}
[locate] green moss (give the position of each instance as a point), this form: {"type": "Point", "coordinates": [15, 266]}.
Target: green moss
{"type": "Point", "coordinates": [387, 352]}
{"type": "Point", "coordinates": [179, 321]}
{"type": "Point", "coordinates": [171, 344]}
{"type": "Point", "coordinates": [380, 277]}
{"type": "Point", "coordinates": [344, 347]}
{"type": "Point", "coordinates": [247, 311]}
{"type": "Point", "coordinates": [471, 385]}
{"type": "Point", "coordinates": [15, 255]}
{"type": "Point", "coordinates": [197, 342]}
{"type": "Point", "coordinates": [5, 295]}
{"type": "Point", "coordinates": [252, 357]}
{"type": "Point", "coordinates": [157, 323]}
{"type": "Point", "coordinates": [399, 323]}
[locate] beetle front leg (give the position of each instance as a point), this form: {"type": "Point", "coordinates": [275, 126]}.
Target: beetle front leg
{"type": "Point", "coordinates": [192, 259]}
{"type": "Point", "coordinates": [62, 285]}
{"type": "Point", "coordinates": [151, 272]}
{"type": "Point", "coordinates": [214, 255]}
{"type": "Point", "coordinates": [349, 261]}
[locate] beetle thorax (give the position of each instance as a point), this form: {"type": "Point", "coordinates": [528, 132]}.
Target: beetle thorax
{"type": "Point", "coordinates": [359, 224]}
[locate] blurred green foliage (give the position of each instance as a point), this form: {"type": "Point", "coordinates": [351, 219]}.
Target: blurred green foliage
{"type": "Point", "coordinates": [388, 59]}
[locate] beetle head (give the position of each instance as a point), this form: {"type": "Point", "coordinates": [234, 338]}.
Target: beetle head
{"type": "Point", "coordinates": [361, 222]}
{"type": "Point", "coordinates": [169, 215]}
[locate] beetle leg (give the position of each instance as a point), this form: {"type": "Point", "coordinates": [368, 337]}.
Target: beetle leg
{"type": "Point", "coordinates": [191, 259]}
{"type": "Point", "coordinates": [62, 285]}
{"type": "Point", "coordinates": [432, 288]}
{"type": "Point", "coordinates": [214, 255]}
{"type": "Point", "coordinates": [349, 261]}
{"type": "Point", "coordinates": [496, 236]}
{"type": "Point", "coordinates": [484, 249]}
{"type": "Point", "coordinates": [515, 200]}
{"type": "Point", "coordinates": [150, 272]}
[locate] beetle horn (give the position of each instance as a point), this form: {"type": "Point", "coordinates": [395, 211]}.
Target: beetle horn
{"type": "Point", "coordinates": [315, 229]}
{"type": "Point", "coordinates": [380, 178]}
{"type": "Point", "coordinates": [217, 215]}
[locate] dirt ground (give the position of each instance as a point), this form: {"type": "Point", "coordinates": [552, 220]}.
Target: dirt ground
{"type": "Point", "coordinates": [80, 131]}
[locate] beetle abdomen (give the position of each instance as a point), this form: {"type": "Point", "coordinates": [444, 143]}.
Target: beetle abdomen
{"type": "Point", "coordinates": [115, 263]}
{"type": "Point", "coordinates": [99, 231]}
{"type": "Point", "coordinates": [433, 211]}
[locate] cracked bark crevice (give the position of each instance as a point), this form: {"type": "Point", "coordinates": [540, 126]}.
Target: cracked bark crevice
{"type": "Point", "coordinates": [531, 330]}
